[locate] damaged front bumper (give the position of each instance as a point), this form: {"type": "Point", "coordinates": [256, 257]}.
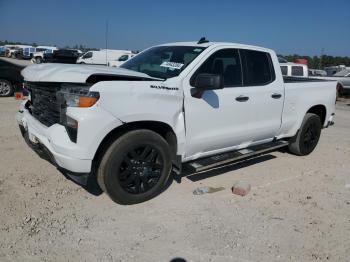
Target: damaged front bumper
{"type": "Point", "coordinates": [75, 169]}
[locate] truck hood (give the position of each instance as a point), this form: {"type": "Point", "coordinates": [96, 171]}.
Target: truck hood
{"type": "Point", "coordinates": [75, 73]}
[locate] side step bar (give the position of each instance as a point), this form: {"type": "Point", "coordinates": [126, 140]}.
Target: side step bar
{"type": "Point", "coordinates": [225, 158]}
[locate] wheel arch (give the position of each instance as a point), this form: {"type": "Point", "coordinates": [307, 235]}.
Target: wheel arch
{"type": "Point", "coordinates": [319, 110]}
{"type": "Point", "coordinates": [161, 128]}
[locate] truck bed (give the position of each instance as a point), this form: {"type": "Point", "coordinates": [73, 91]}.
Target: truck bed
{"type": "Point", "coordinates": [294, 79]}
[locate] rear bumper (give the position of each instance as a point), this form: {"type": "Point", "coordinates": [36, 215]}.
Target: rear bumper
{"type": "Point", "coordinates": [330, 121]}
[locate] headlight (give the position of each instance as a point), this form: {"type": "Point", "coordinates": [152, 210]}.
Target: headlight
{"type": "Point", "coordinates": [74, 95]}
{"type": "Point", "coordinates": [78, 95]}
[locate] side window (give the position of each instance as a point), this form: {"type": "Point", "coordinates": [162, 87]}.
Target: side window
{"type": "Point", "coordinates": [297, 71]}
{"type": "Point", "coordinates": [123, 58]}
{"type": "Point", "coordinates": [225, 62]}
{"type": "Point", "coordinates": [88, 55]}
{"type": "Point", "coordinates": [284, 70]}
{"type": "Point", "coordinates": [257, 68]}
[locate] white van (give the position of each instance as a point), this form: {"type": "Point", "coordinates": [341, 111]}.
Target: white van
{"type": "Point", "coordinates": [101, 57]}
{"type": "Point", "coordinates": [293, 69]}
{"type": "Point", "coordinates": [121, 60]}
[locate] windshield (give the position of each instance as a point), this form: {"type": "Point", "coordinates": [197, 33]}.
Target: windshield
{"type": "Point", "coordinates": [163, 61]}
{"type": "Point", "coordinates": [342, 73]}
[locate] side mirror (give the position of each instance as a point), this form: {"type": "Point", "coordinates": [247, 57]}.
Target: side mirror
{"type": "Point", "coordinates": [206, 82]}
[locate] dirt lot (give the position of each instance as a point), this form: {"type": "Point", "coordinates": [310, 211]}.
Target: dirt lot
{"type": "Point", "coordinates": [298, 209]}
{"type": "Point", "coordinates": [17, 61]}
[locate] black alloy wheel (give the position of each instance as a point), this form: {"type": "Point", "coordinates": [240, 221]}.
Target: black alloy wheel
{"type": "Point", "coordinates": [140, 169]}
{"type": "Point", "coordinates": [135, 167]}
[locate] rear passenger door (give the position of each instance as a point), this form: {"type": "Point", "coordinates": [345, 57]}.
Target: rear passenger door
{"type": "Point", "coordinates": [265, 93]}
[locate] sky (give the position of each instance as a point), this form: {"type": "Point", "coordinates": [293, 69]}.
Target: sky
{"type": "Point", "coordinates": [289, 27]}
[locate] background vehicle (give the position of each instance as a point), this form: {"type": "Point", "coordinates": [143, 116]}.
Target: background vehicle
{"type": "Point", "coordinates": [121, 60]}
{"type": "Point", "coordinates": [14, 51]}
{"type": "Point", "coordinates": [197, 105]}
{"type": "Point", "coordinates": [27, 52]}
{"type": "Point", "coordinates": [343, 78]}
{"type": "Point", "coordinates": [101, 57]}
{"type": "Point", "coordinates": [38, 56]}
{"type": "Point", "coordinates": [331, 70]}
{"type": "Point", "coordinates": [65, 56]}
{"type": "Point", "coordinates": [11, 79]}
{"type": "Point", "coordinates": [293, 69]}
{"type": "Point", "coordinates": [11, 51]}
{"type": "Point", "coordinates": [317, 72]}
{"type": "Point", "coordinates": [2, 50]}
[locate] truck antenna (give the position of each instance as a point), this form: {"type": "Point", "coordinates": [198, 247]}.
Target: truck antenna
{"type": "Point", "coordinates": [202, 41]}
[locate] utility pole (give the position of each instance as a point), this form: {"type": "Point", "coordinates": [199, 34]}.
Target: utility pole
{"type": "Point", "coordinates": [322, 52]}
{"type": "Point", "coordinates": [106, 36]}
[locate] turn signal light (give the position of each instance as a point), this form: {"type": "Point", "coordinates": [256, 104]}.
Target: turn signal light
{"type": "Point", "coordinates": [87, 101]}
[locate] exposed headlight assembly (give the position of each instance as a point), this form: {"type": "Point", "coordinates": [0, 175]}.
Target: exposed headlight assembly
{"type": "Point", "coordinates": [78, 95]}
{"type": "Point", "coordinates": [74, 95]}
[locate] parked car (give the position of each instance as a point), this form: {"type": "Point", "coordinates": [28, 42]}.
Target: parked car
{"type": "Point", "coordinates": [343, 78]}
{"type": "Point", "coordinates": [101, 57]}
{"type": "Point", "coordinates": [196, 105]}
{"type": "Point", "coordinates": [38, 56]}
{"type": "Point", "coordinates": [121, 60]}
{"type": "Point", "coordinates": [11, 79]}
{"type": "Point", "coordinates": [14, 51]}
{"type": "Point", "coordinates": [317, 72]}
{"type": "Point", "coordinates": [27, 52]}
{"type": "Point", "coordinates": [2, 50]}
{"type": "Point", "coordinates": [331, 70]}
{"type": "Point", "coordinates": [293, 69]}
{"type": "Point", "coordinates": [282, 59]}
{"type": "Point", "coordinates": [65, 56]}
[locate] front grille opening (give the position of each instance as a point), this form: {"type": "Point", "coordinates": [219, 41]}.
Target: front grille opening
{"type": "Point", "coordinates": [45, 105]}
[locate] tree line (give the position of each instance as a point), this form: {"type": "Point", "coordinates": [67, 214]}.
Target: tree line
{"type": "Point", "coordinates": [319, 62]}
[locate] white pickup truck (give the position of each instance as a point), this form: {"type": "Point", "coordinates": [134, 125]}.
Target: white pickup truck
{"type": "Point", "coordinates": [193, 104]}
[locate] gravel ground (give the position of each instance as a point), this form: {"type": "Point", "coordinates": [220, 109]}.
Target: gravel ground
{"type": "Point", "coordinates": [297, 210]}
{"type": "Point", "coordinates": [19, 62]}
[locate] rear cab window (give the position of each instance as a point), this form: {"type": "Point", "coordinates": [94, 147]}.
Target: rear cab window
{"type": "Point", "coordinates": [284, 70]}
{"type": "Point", "coordinates": [297, 71]}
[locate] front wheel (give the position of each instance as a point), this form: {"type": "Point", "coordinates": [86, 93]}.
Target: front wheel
{"type": "Point", "coordinates": [38, 60]}
{"type": "Point", "coordinates": [305, 141]}
{"type": "Point", "coordinates": [6, 88]}
{"type": "Point", "coordinates": [135, 168]}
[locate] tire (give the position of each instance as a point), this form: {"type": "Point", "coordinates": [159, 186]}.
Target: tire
{"type": "Point", "coordinates": [339, 90]}
{"type": "Point", "coordinates": [6, 88]}
{"type": "Point", "coordinates": [38, 60]}
{"type": "Point", "coordinates": [305, 141]}
{"type": "Point", "coordinates": [135, 168]}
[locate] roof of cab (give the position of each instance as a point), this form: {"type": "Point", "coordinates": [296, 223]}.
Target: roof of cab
{"type": "Point", "coordinates": [218, 44]}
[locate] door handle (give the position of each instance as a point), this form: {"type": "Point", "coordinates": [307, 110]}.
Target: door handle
{"type": "Point", "coordinates": [242, 98]}
{"type": "Point", "coordinates": [276, 95]}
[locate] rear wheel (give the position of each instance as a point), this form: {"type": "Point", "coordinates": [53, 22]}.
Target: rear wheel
{"type": "Point", "coordinates": [305, 141]}
{"type": "Point", "coordinates": [6, 88]}
{"type": "Point", "coordinates": [135, 168]}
